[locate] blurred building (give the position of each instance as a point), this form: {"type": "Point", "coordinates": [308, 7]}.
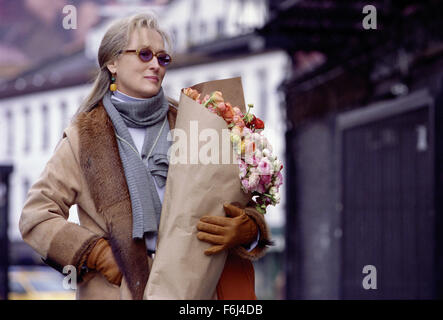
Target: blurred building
{"type": "Point", "coordinates": [5, 171]}
{"type": "Point", "coordinates": [364, 148]}
{"type": "Point", "coordinates": [212, 40]}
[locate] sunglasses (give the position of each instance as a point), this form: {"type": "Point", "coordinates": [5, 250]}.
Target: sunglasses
{"type": "Point", "coordinates": [146, 55]}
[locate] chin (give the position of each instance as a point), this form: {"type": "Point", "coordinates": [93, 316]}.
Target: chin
{"type": "Point", "coordinates": [150, 92]}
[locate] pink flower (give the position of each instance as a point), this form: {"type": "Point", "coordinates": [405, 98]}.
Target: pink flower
{"type": "Point", "coordinates": [247, 132]}
{"type": "Point", "coordinates": [261, 188]}
{"type": "Point", "coordinates": [245, 184]}
{"type": "Point", "coordinates": [237, 111]}
{"type": "Point", "coordinates": [264, 166]}
{"type": "Point", "coordinates": [279, 179]}
{"type": "Point", "coordinates": [242, 165]}
{"type": "Point", "coordinates": [212, 109]}
{"type": "Point", "coordinates": [265, 179]}
{"type": "Point", "coordinates": [238, 121]}
{"type": "Point", "coordinates": [254, 179]}
{"type": "Point", "coordinates": [205, 99]}
{"type": "Point", "coordinates": [251, 159]}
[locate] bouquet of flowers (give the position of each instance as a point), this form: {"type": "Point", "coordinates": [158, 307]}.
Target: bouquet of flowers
{"type": "Point", "coordinates": [260, 170]}
{"type": "Point", "coordinates": [199, 185]}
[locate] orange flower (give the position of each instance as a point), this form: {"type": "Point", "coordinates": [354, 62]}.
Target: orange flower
{"type": "Point", "coordinates": [238, 121]}
{"type": "Point", "coordinates": [191, 93]}
{"type": "Point", "coordinates": [221, 107]}
{"type": "Point", "coordinates": [228, 113]}
{"type": "Point", "coordinates": [237, 111]}
{"type": "Point", "coordinates": [217, 98]}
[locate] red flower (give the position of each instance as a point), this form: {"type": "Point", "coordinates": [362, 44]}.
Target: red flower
{"type": "Point", "coordinates": [258, 123]}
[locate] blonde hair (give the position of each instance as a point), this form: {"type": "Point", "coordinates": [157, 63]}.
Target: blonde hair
{"type": "Point", "coordinates": [115, 39]}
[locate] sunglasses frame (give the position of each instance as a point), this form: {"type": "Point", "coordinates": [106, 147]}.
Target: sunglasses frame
{"type": "Point", "coordinates": [154, 54]}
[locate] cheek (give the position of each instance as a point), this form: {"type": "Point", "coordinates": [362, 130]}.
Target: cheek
{"type": "Point", "coordinates": [130, 73]}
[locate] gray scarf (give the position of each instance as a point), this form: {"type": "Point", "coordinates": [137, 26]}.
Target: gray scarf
{"type": "Point", "coordinates": [150, 113]}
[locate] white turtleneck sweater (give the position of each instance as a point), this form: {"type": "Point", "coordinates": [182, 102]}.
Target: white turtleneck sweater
{"type": "Point", "coordinates": [138, 136]}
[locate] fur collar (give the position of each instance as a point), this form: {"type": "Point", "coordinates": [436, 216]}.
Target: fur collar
{"type": "Point", "coordinates": [101, 164]}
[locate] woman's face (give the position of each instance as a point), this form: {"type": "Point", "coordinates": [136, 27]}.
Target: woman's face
{"type": "Point", "coordinates": [133, 76]}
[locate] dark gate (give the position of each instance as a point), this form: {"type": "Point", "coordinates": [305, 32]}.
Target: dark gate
{"type": "Point", "coordinates": [388, 214]}
{"type": "Point", "coordinates": [4, 260]}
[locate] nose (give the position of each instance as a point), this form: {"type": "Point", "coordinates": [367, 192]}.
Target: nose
{"type": "Point", "coordinates": [153, 64]}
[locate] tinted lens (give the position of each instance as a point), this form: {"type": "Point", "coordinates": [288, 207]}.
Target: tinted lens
{"type": "Point", "coordinates": [163, 59]}
{"type": "Point", "coordinates": [146, 55]}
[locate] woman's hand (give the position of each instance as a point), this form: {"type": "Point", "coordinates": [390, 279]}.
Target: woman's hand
{"type": "Point", "coordinates": [102, 260]}
{"type": "Point", "coordinates": [227, 232]}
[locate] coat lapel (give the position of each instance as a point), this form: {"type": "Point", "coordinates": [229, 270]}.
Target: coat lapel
{"type": "Point", "coordinates": [101, 164]}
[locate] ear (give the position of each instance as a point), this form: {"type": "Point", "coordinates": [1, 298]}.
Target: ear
{"type": "Point", "coordinates": [112, 67]}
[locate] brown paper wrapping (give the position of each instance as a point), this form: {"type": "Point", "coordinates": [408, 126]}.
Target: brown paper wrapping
{"type": "Point", "coordinates": [181, 270]}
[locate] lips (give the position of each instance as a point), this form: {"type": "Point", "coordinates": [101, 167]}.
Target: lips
{"type": "Point", "coordinates": [153, 78]}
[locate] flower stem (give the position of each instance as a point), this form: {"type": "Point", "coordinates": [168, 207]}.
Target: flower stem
{"type": "Point", "coordinates": [249, 108]}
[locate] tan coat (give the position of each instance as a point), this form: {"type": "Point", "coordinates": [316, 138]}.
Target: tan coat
{"type": "Point", "coordinates": [86, 170]}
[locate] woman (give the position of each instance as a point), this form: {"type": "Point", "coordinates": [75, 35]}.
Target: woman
{"type": "Point", "coordinates": [105, 165]}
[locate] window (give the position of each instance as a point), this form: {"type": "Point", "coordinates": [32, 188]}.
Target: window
{"type": "Point", "coordinates": [203, 32]}
{"type": "Point", "coordinates": [220, 27]}
{"type": "Point", "coordinates": [189, 33]}
{"type": "Point", "coordinates": [263, 100]}
{"type": "Point", "coordinates": [45, 127]}
{"type": "Point", "coordinates": [27, 142]}
{"type": "Point", "coordinates": [174, 35]}
{"type": "Point", "coordinates": [26, 186]}
{"type": "Point", "coordinates": [10, 133]}
{"type": "Point", "coordinates": [63, 115]}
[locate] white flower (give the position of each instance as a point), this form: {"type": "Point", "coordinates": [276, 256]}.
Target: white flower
{"type": "Point", "coordinates": [247, 133]}
{"type": "Point", "coordinates": [236, 130]}
{"type": "Point", "coordinates": [273, 191]}
{"type": "Point", "coordinates": [256, 137]}
{"type": "Point", "coordinates": [266, 153]}
{"type": "Point", "coordinates": [235, 138]}
{"type": "Point", "coordinates": [277, 197]}
{"type": "Point", "coordinates": [276, 164]}
{"type": "Point", "coordinates": [253, 170]}
{"type": "Point", "coordinates": [254, 178]}
{"type": "Point", "coordinates": [263, 142]}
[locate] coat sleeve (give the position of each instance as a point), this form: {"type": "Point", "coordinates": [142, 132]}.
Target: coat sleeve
{"type": "Point", "coordinates": [264, 240]}
{"type": "Point", "coordinates": [43, 222]}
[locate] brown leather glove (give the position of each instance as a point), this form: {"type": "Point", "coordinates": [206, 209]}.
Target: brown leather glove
{"type": "Point", "coordinates": [227, 232]}
{"type": "Point", "coordinates": [102, 260]}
